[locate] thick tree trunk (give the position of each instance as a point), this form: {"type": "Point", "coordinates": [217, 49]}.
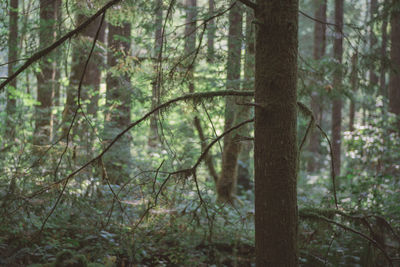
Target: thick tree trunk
{"type": "Point", "coordinates": [354, 87]}
{"type": "Point", "coordinates": [275, 148]}
{"type": "Point", "coordinates": [118, 102]}
{"type": "Point", "coordinates": [91, 81]}
{"type": "Point", "coordinates": [318, 53]}
{"type": "Point", "coordinates": [155, 94]}
{"type": "Point", "coordinates": [337, 86]}
{"type": "Point", "coordinates": [394, 82]}
{"type": "Point", "coordinates": [46, 76]}
{"type": "Point", "coordinates": [244, 165]}
{"type": "Point", "coordinates": [12, 56]}
{"type": "Point", "coordinates": [210, 32]}
{"type": "Point", "coordinates": [226, 185]}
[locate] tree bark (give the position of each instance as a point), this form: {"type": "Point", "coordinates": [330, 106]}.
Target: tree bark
{"type": "Point", "coordinates": [46, 76]}
{"type": "Point", "coordinates": [244, 165]}
{"type": "Point", "coordinates": [373, 77]}
{"type": "Point", "coordinates": [394, 82]}
{"type": "Point", "coordinates": [12, 56]}
{"type": "Point", "coordinates": [91, 81]}
{"type": "Point", "coordinates": [210, 32]}
{"type": "Point", "coordinates": [383, 67]}
{"type": "Point", "coordinates": [226, 185]}
{"type": "Point", "coordinates": [337, 86]}
{"type": "Point", "coordinates": [354, 87]}
{"type": "Point", "coordinates": [155, 95]}
{"type": "Point", "coordinates": [318, 53]}
{"type": "Point", "coordinates": [118, 103]}
{"type": "Point", "coordinates": [275, 148]}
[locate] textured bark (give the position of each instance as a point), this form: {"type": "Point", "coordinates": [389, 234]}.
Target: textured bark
{"type": "Point", "coordinates": [155, 94]}
{"type": "Point", "coordinates": [275, 148]}
{"type": "Point", "coordinates": [210, 32]}
{"type": "Point", "coordinates": [12, 56]}
{"type": "Point", "coordinates": [226, 185]}
{"type": "Point", "coordinates": [394, 82]}
{"type": "Point", "coordinates": [318, 53]}
{"type": "Point", "coordinates": [354, 87]}
{"type": "Point", "coordinates": [373, 77]}
{"type": "Point", "coordinates": [337, 86]}
{"type": "Point", "coordinates": [118, 102]}
{"type": "Point", "coordinates": [244, 165]}
{"type": "Point", "coordinates": [46, 76]}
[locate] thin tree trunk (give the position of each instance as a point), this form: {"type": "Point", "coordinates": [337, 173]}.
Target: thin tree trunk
{"type": "Point", "coordinates": [155, 95]}
{"type": "Point", "coordinates": [244, 165]}
{"type": "Point", "coordinates": [394, 82]}
{"type": "Point", "coordinates": [383, 67]}
{"type": "Point", "coordinates": [210, 32]}
{"type": "Point", "coordinates": [118, 102]}
{"type": "Point", "coordinates": [354, 87]}
{"type": "Point", "coordinates": [12, 56]}
{"type": "Point", "coordinates": [226, 185]}
{"type": "Point", "coordinates": [373, 77]}
{"type": "Point", "coordinates": [318, 53]}
{"type": "Point", "coordinates": [337, 86]}
{"type": "Point", "coordinates": [46, 76]}
{"type": "Point", "coordinates": [275, 148]}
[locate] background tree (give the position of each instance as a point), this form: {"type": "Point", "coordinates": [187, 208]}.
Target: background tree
{"type": "Point", "coordinates": [318, 52]}
{"type": "Point", "coordinates": [118, 102]}
{"type": "Point", "coordinates": [226, 185]}
{"type": "Point", "coordinates": [337, 87]}
{"type": "Point", "coordinates": [12, 57]}
{"type": "Point", "coordinates": [394, 81]}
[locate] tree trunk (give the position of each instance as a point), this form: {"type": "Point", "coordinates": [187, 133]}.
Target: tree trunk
{"type": "Point", "coordinates": [394, 82]}
{"type": "Point", "coordinates": [373, 77]}
{"type": "Point", "coordinates": [318, 53]}
{"type": "Point", "coordinates": [383, 67]}
{"type": "Point", "coordinates": [118, 102]}
{"type": "Point", "coordinates": [12, 56]}
{"type": "Point", "coordinates": [226, 185]}
{"type": "Point", "coordinates": [210, 32]}
{"type": "Point", "coordinates": [91, 81]}
{"type": "Point", "coordinates": [354, 87]}
{"type": "Point", "coordinates": [155, 95]}
{"type": "Point", "coordinates": [244, 165]}
{"type": "Point", "coordinates": [337, 86]}
{"type": "Point", "coordinates": [275, 148]}
{"type": "Point", "coordinates": [46, 76]}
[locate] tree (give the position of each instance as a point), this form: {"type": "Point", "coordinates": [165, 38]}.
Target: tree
{"type": "Point", "coordinates": [275, 144]}
{"type": "Point", "coordinates": [211, 33]}
{"type": "Point", "coordinates": [90, 81]}
{"type": "Point", "coordinates": [373, 77]}
{"type": "Point", "coordinates": [383, 67]}
{"type": "Point", "coordinates": [156, 85]}
{"type": "Point", "coordinates": [354, 87]}
{"type": "Point", "coordinates": [118, 102]}
{"type": "Point", "coordinates": [46, 75]}
{"type": "Point", "coordinates": [394, 81]}
{"type": "Point", "coordinates": [318, 53]}
{"type": "Point", "coordinates": [12, 57]}
{"type": "Point", "coordinates": [226, 185]}
{"type": "Point", "coordinates": [244, 168]}
{"type": "Point", "coordinates": [337, 85]}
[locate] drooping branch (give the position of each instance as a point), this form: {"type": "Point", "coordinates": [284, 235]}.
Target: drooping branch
{"type": "Point", "coordinates": [38, 55]}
